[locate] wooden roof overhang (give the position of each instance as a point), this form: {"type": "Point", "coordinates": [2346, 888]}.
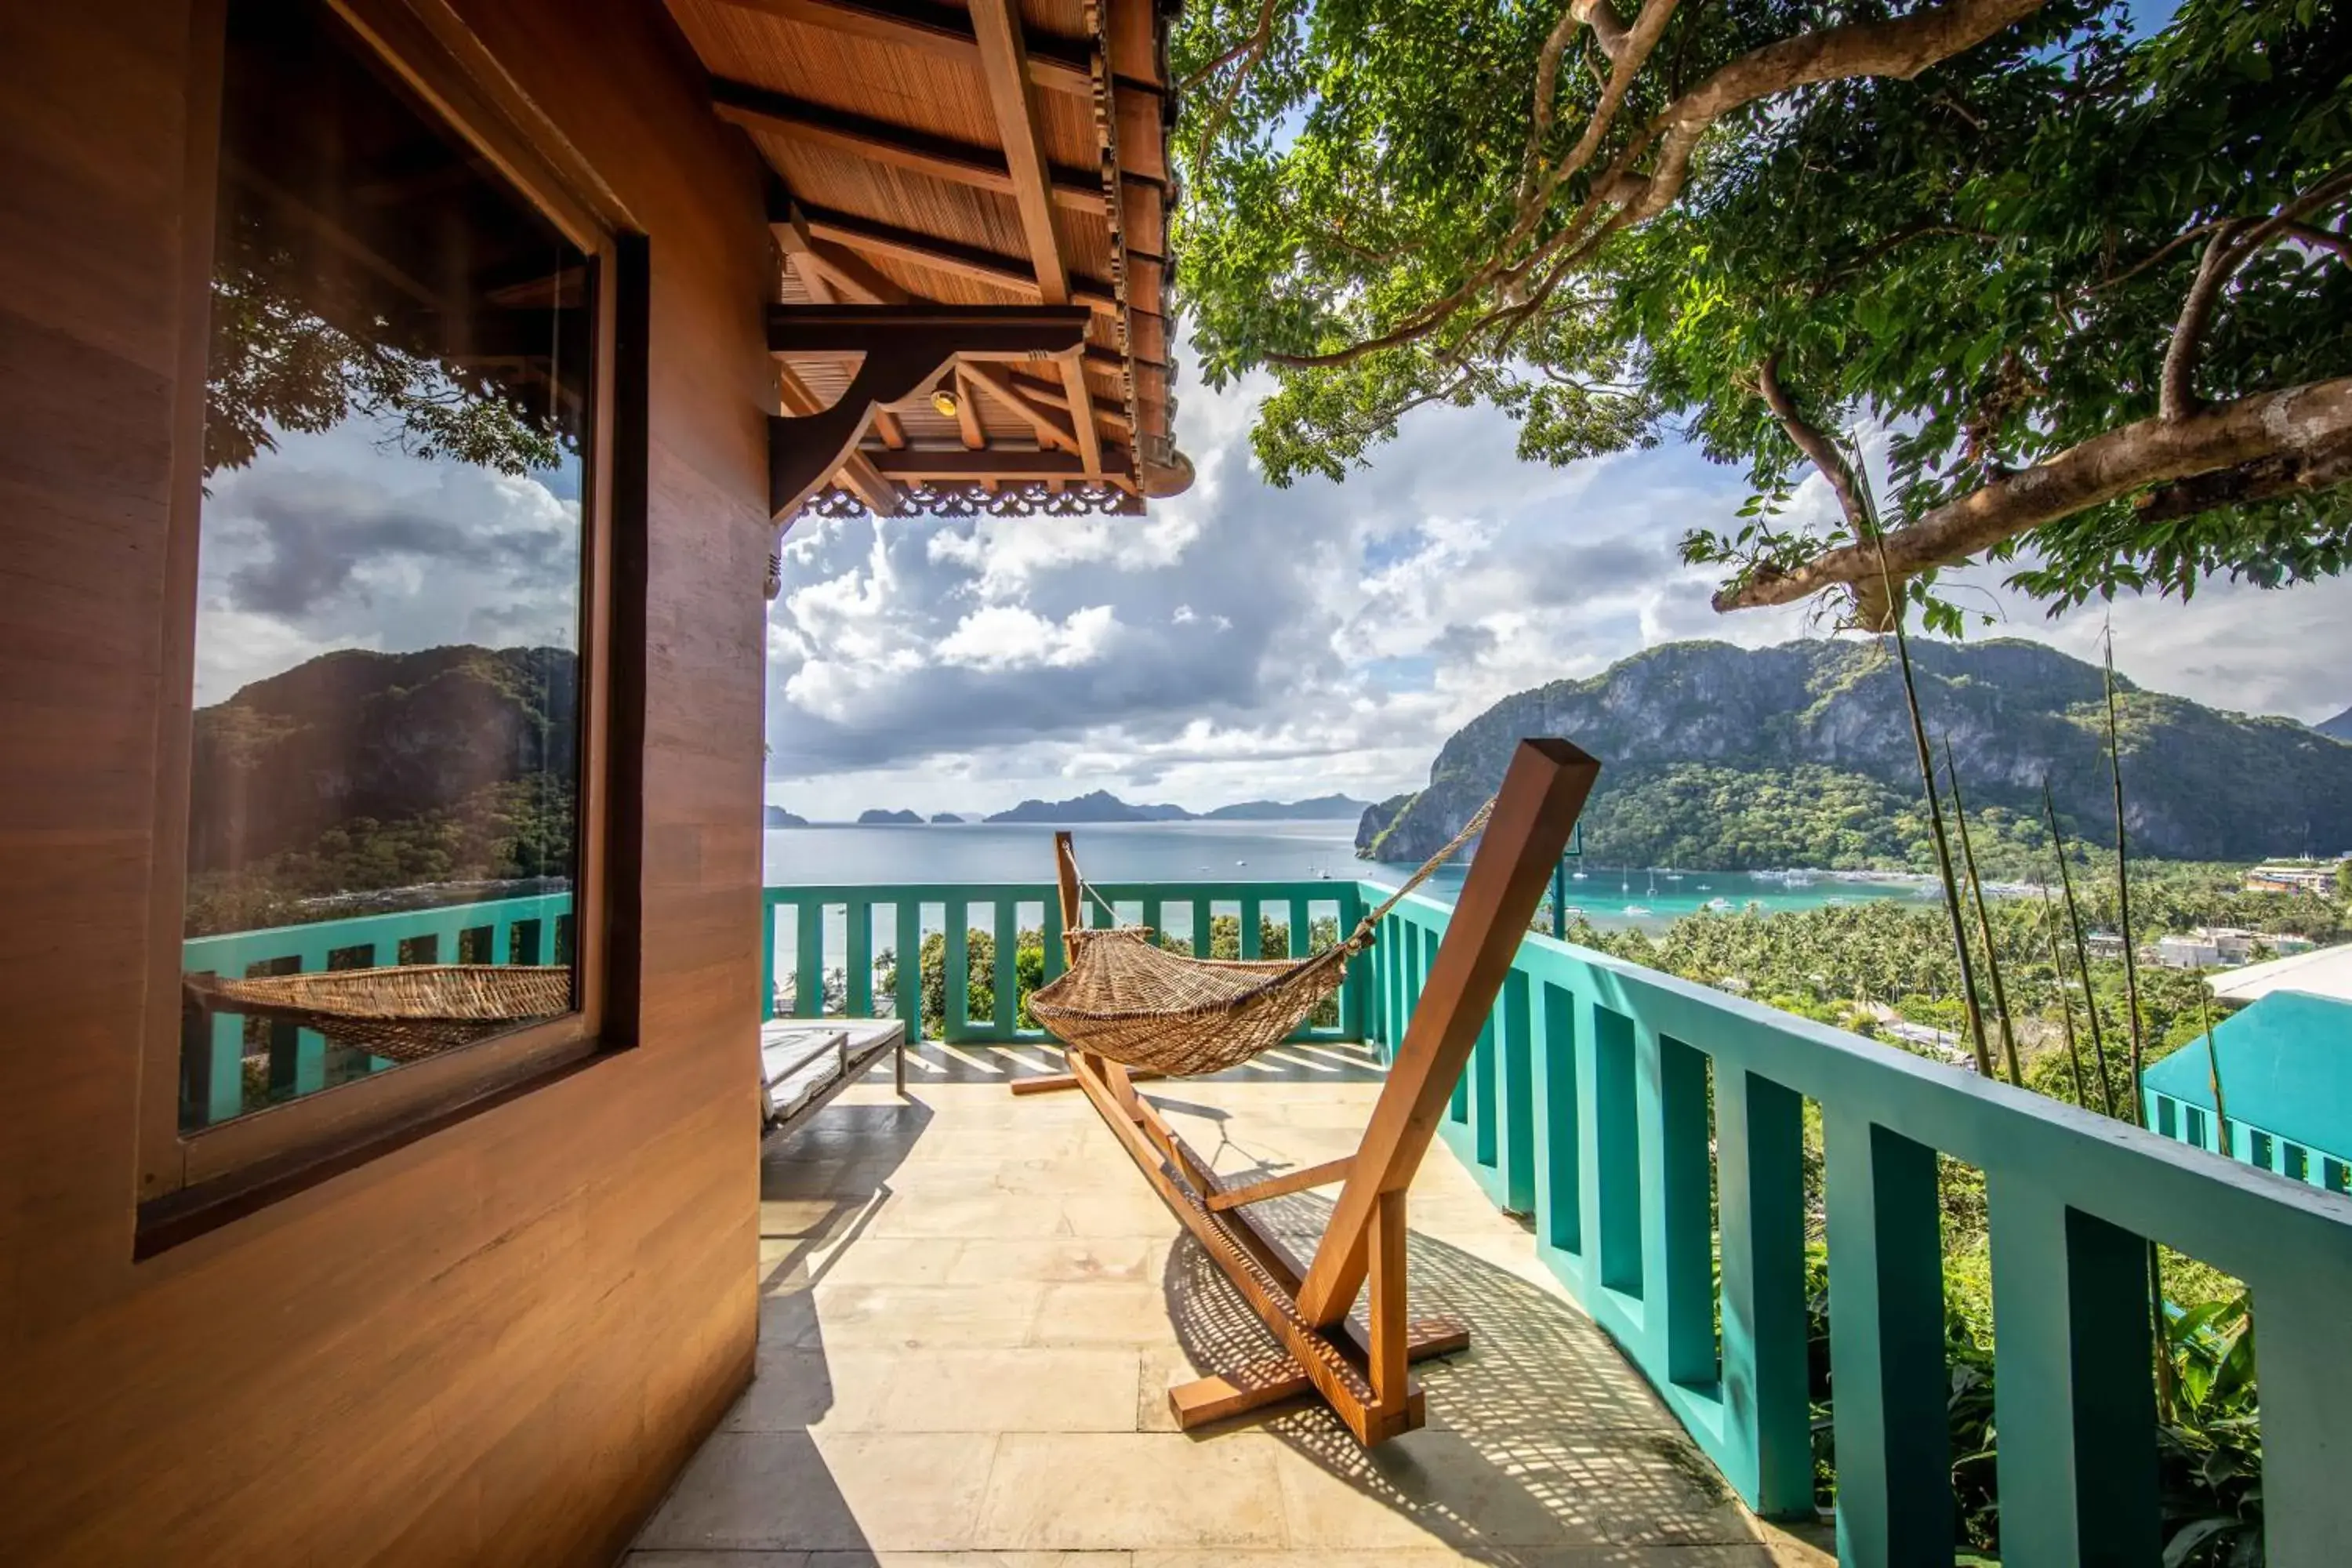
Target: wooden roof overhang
{"type": "Point", "coordinates": [971, 210]}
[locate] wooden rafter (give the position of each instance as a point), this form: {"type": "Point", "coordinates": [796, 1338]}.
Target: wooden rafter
{"type": "Point", "coordinates": [959, 163]}
{"type": "Point", "coordinates": [1056, 64]}
{"type": "Point", "coordinates": [1012, 273]}
{"type": "Point", "coordinates": [1004, 66]}
{"type": "Point", "coordinates": [968, 425]}
{"type": "Point", "coordinates": [1053, 429]}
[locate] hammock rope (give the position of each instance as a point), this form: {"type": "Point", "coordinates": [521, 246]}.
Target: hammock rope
{"type": "Point", "coordinates": [1128, 999]}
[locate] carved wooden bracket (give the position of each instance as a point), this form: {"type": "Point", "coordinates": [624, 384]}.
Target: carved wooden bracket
{"type": "Point", "coordinates": [907, 348]}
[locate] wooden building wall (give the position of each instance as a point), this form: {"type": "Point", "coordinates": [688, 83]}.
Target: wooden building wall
{"type": "Point", "coordinates": [498, 1342]}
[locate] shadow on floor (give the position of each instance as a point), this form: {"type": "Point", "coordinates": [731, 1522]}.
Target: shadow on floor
{"type": "Point", "coordinates": [726, 1499]}
{"type": "Point", "coordinates": [1536, 1438]}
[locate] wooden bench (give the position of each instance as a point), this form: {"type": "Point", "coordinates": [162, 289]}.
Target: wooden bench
{"type": "Point", "coordinates": [804, 1062]}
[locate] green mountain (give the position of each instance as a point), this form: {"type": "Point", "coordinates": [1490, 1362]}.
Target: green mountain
{"type": "Point", "coordinates": [1722, 758]}
{"type": "Point", "coordinates": [2340, 726]}
{"type": "Point", "coordinates": [777, 817]}
{"type": "Point", "coordinates": [875, 817]}
{"type": "Point", "coordinates": [356, 736]}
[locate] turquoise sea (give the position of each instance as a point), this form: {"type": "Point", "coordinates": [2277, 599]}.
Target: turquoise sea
{"type": "Point", "coordinates": [1613, 896]}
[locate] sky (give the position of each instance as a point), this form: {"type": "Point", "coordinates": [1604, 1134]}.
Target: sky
{"type": "Point", "coordinates": [1243, 642]}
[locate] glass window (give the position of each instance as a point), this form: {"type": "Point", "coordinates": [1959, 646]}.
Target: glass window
{"type": "Point", "coordinates": [385, 775]}
{"type": "Point", "coordinates": [2167, 1118]}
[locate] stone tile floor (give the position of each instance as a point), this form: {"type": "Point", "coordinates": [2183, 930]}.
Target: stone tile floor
{"type": "Point", "coordinates": [972, 1306]}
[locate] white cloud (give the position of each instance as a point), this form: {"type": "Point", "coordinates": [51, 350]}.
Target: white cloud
{"type": "Point", "coordinates": [1244, 640]}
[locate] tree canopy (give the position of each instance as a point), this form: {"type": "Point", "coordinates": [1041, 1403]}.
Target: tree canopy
{"type": "Point", "coordinates": [2095, 282]}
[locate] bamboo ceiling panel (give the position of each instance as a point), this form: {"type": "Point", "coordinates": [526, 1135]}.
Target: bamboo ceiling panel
{"type": "Point", "coordinates": [894, 178]}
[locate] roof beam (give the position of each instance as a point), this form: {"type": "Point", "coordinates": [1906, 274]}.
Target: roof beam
{"type": "Point", "coordinates": [968, 425]}
{"type": "Point", "coordinates": [1052, 428]}
{"type": "Point", "coordinates": [842, 271]}
{"type": "Point", "coordinates": [1010, 272]}
{"type": "Point", "coordinates": [1021, 330]}
{"type": "Point", "coordinates": [1058, 397]}
{"type": "Point", "coordinates": [1004, 66]}
{"type": "Point", "coordinates": [879, 141]}
{"type": "Point", "coordinates": [1056, 64]}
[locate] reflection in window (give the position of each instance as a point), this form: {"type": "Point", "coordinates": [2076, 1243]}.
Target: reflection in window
{"type": "Point", "coordinates": [384, 791]}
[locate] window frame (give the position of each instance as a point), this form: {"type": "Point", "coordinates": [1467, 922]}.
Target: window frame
{"type": "Point", "coordinates": [182, 1174]}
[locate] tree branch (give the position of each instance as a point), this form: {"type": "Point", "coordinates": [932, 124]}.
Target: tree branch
{"type": "Point", "coordinates": [1902, 46]}
{"type": "Point", "coordinates": [2308, 424]}
{"type": "Point", "coordinates": [1813, 443]}
{"type": "Point", "coordinates": [2232, 245]}
{"type": "Point", "coordinates": [1249, 52]}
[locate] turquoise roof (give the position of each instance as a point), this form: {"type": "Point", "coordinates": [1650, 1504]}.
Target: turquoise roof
{"type": "Point", "coordinates": [2286, 1068]}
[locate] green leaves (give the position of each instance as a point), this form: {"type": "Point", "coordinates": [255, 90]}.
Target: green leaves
{"type": "Point", "coordinates": [1987, 259]}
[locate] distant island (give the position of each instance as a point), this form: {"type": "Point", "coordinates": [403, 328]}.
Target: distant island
{"type": "Point", "coordinates": [1721, 758]}
{"type": "Point", "coordinates": [1098, 805]}
{"type": "Point", "coordinates": [2340, 726]}
{"type": "Point", "coordinates": [1101, 806]}
{"type": "Point", "coordinates": [1320, 808]}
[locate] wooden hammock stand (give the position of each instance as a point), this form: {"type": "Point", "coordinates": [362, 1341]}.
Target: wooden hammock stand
{"type": "Point", "coordinates": [1359, 1370]}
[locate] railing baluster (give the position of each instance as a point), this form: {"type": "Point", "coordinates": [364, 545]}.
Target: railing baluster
{"type": "Point", "coordinates": [955, 975]}
{"type": "Point", "coordinates": [1204, 916]}
{"type": "Point", "coordinates": [1006, 979]}
{"type": "Point", "coordinates": [1759, 1140]}
{"type": "Point", "coordinates": [808, 965]}
{"type": "Point", "coordinates": [1251, 947]}
{"type": "Point", "coordinates": [2306, 1387]}
{"type": "Point", "coordinates": [1616, 1175]}
{"type": "Point", "coordinates": [909, 997]}
{"type": "Point", "coordinates": [1486, 1132]}
{"type": "Point", "coordinates": [1302, 929]}
{"type": "Point", "coordinates": [1559, 1145]}
{"type": "Point", "coordinates": [1887, 1345]}
{"type": "Point", "coordinates": [1056, 959]}
{"type": "Point", "coordinates": [1679, 1164]}
{"type": "Point", "coordinates": [1517, 1123]}
{"type": "Point", "coordinates": [1359, 1011]}
{"type": "Point", "coordinates": [859, 960]}
{"type": "Point", "coordinates": [1152, 915]}
{"type": "Point", "coordinates": [2075, 1402]}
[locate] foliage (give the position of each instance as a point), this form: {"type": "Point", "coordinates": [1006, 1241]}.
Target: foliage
{"type": "Point", "coordinates": [1989, 257]}
{"type": "Point", "coordinates": [516, 831]}
{"type": "Point", "coordinates": [1029, 966]}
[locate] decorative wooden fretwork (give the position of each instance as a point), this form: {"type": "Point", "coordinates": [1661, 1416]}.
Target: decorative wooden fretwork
{"type": "Point", "coordinates": [1033, 498]}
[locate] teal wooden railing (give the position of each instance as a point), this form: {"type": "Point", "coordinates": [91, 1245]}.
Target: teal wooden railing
{"type": "Point", "coordinates": [954, 910]}
{"type": "Point", "coordinates": [1654, 1131]}
{"type": "Point", "coordinates": [534, 930]}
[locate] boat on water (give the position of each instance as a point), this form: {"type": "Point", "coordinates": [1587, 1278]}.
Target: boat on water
{"type": "Point", "coordinates": [1673, 876]}
{"type": "Point", "coordinates": [1720, 906]}
{"type": "Point", "coordinates": [1639, 910]}
{"type": "Point", "coordinates": [1578, 876]}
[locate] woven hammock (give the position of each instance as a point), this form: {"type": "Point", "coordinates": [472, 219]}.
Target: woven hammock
{"type": "Point", "coordinates": [1128, 999]}
{"type": "Point", "coordinates": [402, 1014]}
